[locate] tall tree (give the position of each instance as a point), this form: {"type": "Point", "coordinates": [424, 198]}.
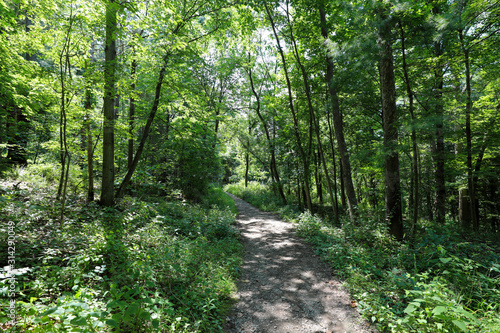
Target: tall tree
{"type": "Point", "coordinates": [312, 114]}
{"type": "Point", "coordinates": [338, 124]}
{"type": "Point", "coordinates": [108, 150]}
{"type": "Point", "coordinates": [477, 21]}
{"type": "Point", "coordinates": [438, 146]}
{"type": "Point", "coordinates": [415, 179]}
{"type": "Point", "coordinates": [88, 132]}
{"type": "Point", "coordinates": [393, 210]}
{"type": "Point", "coordinates": [179, 37]}
{"type": "Point", "coordinates": [303, 156]}
{"type": "Point", "coordinates": [270, 140]}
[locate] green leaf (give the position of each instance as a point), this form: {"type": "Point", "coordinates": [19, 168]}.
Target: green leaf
{"type": "Point", "coordinates": [112, 323]}
{"type": "Point", "coordinates": [131, 310]}
{"type": "Point", "coordinates": [466, 313]}
{"type": "Point", "coordinates": [155, 323]}
{"type": "Point", "coordinates": [445, 260]}
{"type": "Point", "coordinates": [49, 311]}
{"type": "Point", "coordinates": [145, 315]}
{"type": "Point", "coordinates": [460, 325]}
{"type": "Point", "coordinates": [79, 321]}
{"type": "Point", "coordinates": [410, 309]}
{"type": "Point", "coordinates": [438, 310]}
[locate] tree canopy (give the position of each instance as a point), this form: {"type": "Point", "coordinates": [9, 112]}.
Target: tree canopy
{"type": "Point", "coordinates": [354, 110]}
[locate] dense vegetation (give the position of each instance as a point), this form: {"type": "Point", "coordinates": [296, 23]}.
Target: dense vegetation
{"type": "Point", "coordinates": [443, 281]}
{"type": "Point", "coordinates": [145, 265]}
{"type": "Point", "coordinates": [115, 117]}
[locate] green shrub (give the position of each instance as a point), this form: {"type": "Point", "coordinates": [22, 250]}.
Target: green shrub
{"type": "Point", "coordinates": [144, 266]}
{"type": "Point", "coordinates": [217, 197]}
{"type": "Point", "coordinates": [43, 175]}
{"type": "Point", "coordinates": [439, 284]}
{"type": "Point", "coordinates": [308, 225]}
{"type": "Point", "coordinates": [261, 196]}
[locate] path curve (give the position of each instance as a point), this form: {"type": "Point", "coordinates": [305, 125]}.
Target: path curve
{"type": "Point", "coordinates": [284, 287]}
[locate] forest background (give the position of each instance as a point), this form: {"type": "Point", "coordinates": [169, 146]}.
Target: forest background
{"type": "Point", "coordinates": [371, 124]}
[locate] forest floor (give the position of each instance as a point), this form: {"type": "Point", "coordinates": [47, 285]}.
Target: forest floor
{"type": "Point", "coordinates": [284, 286]}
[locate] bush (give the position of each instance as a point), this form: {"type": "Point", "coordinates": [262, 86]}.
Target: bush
{"type": "Point", "coordinates": [145, 266]}
{"type": "Point", "coordinates": [439, 283]}
{"type": "Point", "coordinates": [43, 175]}
{"type": "Point", "coordinates": [431, 287]}
{"type": "Point", "coordinates": [217, 197]}
{"type": "Point", "coordinates": [308, 225]}
{"type": "Point", "coordinates": [260, 195]}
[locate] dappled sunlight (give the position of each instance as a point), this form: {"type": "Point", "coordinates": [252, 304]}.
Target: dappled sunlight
{"type": "Point", "coordinates": [284, 287]}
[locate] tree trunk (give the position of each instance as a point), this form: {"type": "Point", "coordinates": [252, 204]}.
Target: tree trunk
{"type": "Point", "coordinates": [332, 147]}
{"type": "Point", "coordinates": [108, 149]}
{"type": "Point", "coordinates": [63, 152]}
{"type": "Point", "coordinates": [464, 208]}
{"type": "Point", "coordinates": [88, 132]}
{"type": "Point", "coordinates": [270, 141]}
{"type": "Point", "coordinates": [294, 116]}
{"type": "Point", "coordinates": [299, 196]}
{"type": "Point", "coordinates": [65, 188]}
{"type": "Point", "coordinates": [64, 71]}
{"type": "Point", "coordinates": [468, 133]}
{"type": "Point", "coordinates": [343, 198]}
{"type": "Point", "coordinates": [339, 130]}
{"type": "Point", "coordinates": [315, 126]}
{"type": "Point", "coordinates": [477, 168]}
{"type": "Point", "coordinates": [414, 194]}
{"type": "Point", "coordinates": [318, 179]}
{"type": "Point", "coordinates": [131, 116]}
{"type": "Point", "coordinates": [439, 153]}
{"type": "Point", "coordinates": [247, 157]}
{"type": "Point", "coordinates": [393, 211]}
{"type": "Point", "coordinates": [247, 162]}
{"type": "Point", "coordinates": [151, 117]}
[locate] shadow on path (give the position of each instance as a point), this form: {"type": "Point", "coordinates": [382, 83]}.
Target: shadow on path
{"type": "Point", "coordinates": [284, 287]}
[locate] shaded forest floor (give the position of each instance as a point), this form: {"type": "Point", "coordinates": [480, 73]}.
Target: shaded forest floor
{"type": "Point", "coordinates": [284, 287]}
{"type": "Point", "coordinates": [441, 280]}
{"type": "Point", "coordinates": [149, 264]}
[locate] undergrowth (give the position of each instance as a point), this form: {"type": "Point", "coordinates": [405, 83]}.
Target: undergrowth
{"type": "Point", "coordinates": [442, 281]}
{"type": "Point", "coordinates": [259, 196]}
{"type": "Point", "coordinates": [143, 266]}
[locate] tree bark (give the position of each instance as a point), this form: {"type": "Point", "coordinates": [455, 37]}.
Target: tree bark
{"type": "Point", "coordinates": [315, 125]}
{"type": "Point", "coordinates": [332, 147]}
{"type": "Point", "coordinates": [415, 195]}
{"type": "Point", "coordinates": [151, 117]}
{"type": "Point", "coordinates": [468, 133]}
{"type": "Point", "coordinates": [294, 116]}
{"type": "Point", "coordinates": [108, 150]}
{"type": "Point", "coordinates": [339, 128]}
{"type": "Point", "coordinates": [393, 211]}
{"type": "Point", "coordinates": [247, 156]}
{"type": "Point", "coordinates": [88, 131]}
{"type": "Point", "coordinates": [131, 115]}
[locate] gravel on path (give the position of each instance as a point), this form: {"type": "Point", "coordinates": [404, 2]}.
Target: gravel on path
{"type": "Point", "coordinates": [284, 286]}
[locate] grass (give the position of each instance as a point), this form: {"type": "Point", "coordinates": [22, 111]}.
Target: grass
{"type": "Point", "coordinates": [147, 265]}
{"type": "Point", "coordinates": [261, 197]}
{"type": "Point", "coordinates": [444, 281]}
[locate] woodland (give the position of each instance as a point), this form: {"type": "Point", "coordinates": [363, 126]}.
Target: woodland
{"type": "Point", "coordinates": [373, 126]}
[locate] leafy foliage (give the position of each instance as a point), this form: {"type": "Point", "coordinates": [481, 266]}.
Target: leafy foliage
{"type": "Point", "coordinates": [257, 194]}
{"type": "Point", "coordinates": [144, 266]}
{"type": "Point", "coordinates": [444, 282]}
{"type": "Point", "coordinates": [421, 289]}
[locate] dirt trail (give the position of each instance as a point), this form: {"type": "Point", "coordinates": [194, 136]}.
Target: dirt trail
{"type": "Point", "coordinates": [284, 287]}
